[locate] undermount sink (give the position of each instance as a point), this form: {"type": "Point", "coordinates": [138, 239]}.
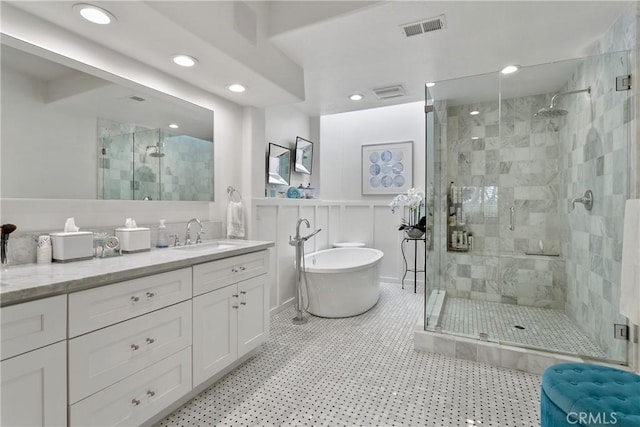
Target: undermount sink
{"type": "Point", "coordinates": [213, 245]}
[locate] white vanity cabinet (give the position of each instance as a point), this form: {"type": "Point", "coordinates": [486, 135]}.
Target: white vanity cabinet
{"type": "Point", "coordinates": [122, 353]}
{"type": "Point", "coordinates": [34, 363]}
{"type": "Point", "coordinates": [136, 358]}
{"type": "Point", "coordinates": [233, 318]}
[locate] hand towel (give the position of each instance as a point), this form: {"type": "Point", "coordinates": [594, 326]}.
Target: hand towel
{"type": "Point", "coordinates": [630, 277]}
{"type": "Point", "coordinates": [235, 220]}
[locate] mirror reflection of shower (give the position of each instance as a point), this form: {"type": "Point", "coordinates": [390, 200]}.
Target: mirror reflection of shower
{"type": "Point", "coordinates": [156, 150]}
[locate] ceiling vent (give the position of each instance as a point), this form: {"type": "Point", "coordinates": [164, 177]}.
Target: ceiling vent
{"type": "Point", "coordinates": [136, 98]}
{"type": "Point", "coordinates": [424, 26]}
{"type": "Point", "coordinates": [389, 92]}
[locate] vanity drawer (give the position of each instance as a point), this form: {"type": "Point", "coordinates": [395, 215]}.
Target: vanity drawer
{"type": "Point", "coordinates": [138, 397]}
{"type": "Point", "coordinates": [103, 306]}
{"type": "Point", "coordinates": [32, 325]}
{"type": "Point", "coordinates": [103, 357]}
{"type": "Point", "coordinates": [218, 274]}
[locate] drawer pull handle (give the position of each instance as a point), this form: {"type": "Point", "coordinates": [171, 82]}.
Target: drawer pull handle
{"type": "Point", "coordinates": [150, 340]}
{"type": "Point", "coordinates": [151, 393]}
{"type": "Point", "coordinates": [134, 347]}
{"type": "Point", "coordinates": [235, 306]}
{"type": "Point", "coordinates": [234, 296]}
{"type": "Point", "coordinates": [243, 303]}
{"type": "Point", "coordinates": [243, 268]}
{"type": "Point", "coordinates": [151, 294]}
{"type": "Point", "coordinates": [233, 270]}
{"type": "Point", "coordinates": [135, 402]}
{"type": "Point", "coordinates": [135, 299]}
{"type": "Point", "coordinates": [243, 292]}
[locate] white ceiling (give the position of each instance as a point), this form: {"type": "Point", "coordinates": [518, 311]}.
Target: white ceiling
{"type": "Point", "coordinates": [313, 54]}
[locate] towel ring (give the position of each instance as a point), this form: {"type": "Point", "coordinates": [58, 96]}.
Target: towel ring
{"type": "Point", "coordinates": [231, 193]}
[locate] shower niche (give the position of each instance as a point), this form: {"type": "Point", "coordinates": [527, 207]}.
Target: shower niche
{"type": "Point", "coordinates": [459, 238]}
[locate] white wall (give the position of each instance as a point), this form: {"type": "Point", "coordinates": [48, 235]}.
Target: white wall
{"type": "Point", "coordinates": [342, 212]}
{"type": "Point", "coordinates": [283, 125]}
{"type": "Point", "coordinates": [342, 135]}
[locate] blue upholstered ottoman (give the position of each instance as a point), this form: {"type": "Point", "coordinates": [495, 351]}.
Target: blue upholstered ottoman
{"type": "Point", "coordinates": [580, 394]}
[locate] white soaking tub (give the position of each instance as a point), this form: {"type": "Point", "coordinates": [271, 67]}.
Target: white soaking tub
{"type": "Point", "coordinates": [342, 282]}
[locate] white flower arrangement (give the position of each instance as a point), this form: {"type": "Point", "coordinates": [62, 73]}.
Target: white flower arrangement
{"type": "Point", "coordinates": [413, 199]}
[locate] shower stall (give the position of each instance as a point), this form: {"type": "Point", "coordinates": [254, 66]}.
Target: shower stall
{"type": "Point", "coordinates": [518, 258]}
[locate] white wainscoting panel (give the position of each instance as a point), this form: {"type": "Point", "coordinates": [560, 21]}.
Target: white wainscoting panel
{"type": "Point", "coordinates": [370, 222]}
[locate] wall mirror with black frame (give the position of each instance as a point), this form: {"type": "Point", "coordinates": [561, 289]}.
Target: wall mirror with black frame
{"type": "Point", "coordinates": [304, 156]}
{"type": "Point", "coordinates": [279, 165]}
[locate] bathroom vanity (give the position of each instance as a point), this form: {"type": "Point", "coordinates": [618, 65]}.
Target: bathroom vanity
{"type": "Point", "coordinates": [120, 340]}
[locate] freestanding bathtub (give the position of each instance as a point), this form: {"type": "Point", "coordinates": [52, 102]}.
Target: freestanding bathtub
{"type": "Point", "coordinates": [342, 282]}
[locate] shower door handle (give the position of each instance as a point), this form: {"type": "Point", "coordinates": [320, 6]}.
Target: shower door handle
{"type": "Point", "coordinates": [512, 215]}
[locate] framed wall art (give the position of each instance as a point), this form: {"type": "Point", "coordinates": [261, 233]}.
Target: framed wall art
{"type": "Point", "coordinates": [387, 168]}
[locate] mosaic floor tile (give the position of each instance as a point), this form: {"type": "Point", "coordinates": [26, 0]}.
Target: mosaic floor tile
{"type": "Point", "coordinates": [362, 370]}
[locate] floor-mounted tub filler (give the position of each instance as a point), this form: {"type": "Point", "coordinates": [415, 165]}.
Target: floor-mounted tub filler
{"type": "Point", "coordinates": [298, 242]}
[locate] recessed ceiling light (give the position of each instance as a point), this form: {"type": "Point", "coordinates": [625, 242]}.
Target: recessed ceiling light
{"type": "Point", "coordinates": [430, 84]}
{"type": "Point", "coordinates": [474, 113]}
{"type": "Point", "coordinates": [174, 126]}
{"type": "Point", "coordinates": [185, 60]}
{"type": "Point", "coordinates": [509, 69]}
{"type": "Point", "coordinates": [475, 137]}
{"type": "Point", "coordinates": [356, 97]}
{"type": "Point", "coordinates": [94, 14]}
{"type": "Point", "coordinates": [236, 87]}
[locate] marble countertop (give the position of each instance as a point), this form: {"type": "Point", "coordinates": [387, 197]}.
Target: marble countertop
{"type": "Point", "coordinates": [28, 282]}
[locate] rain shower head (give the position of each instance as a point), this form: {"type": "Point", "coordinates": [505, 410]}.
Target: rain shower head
{"type": "Point", "coordinates": [157, 150]}
{"type": "Point", "coordinates": [552, 110]}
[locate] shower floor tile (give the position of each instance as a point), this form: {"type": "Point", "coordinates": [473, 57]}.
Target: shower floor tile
{"type": "Point", "coordinates": [543, 327]}
{"type": "Point", "coordinates": [362, 370]}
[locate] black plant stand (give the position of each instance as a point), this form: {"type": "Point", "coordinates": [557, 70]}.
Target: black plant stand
{"type": "Point", "coordinates": [415, 261]}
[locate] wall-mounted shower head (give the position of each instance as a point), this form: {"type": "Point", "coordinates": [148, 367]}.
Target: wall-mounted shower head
{"type": "Point", "coordinates": [552, 110]}
{"type": "Point", "coordinates": [157, 150]}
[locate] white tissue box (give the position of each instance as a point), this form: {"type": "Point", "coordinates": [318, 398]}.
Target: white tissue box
{"type": "Point", "coordinates": [134, 239]}
{"type": "Point", "coordinates": [72, 246]}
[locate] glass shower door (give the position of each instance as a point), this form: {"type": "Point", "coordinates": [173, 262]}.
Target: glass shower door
{"type": "Point", "coordinates": [556, 143]}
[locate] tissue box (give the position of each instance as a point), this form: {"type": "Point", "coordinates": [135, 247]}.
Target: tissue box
{"type": "Point", "coordinates": [72, 246]}
{"type": "Point", "coordinates": [134, 239]}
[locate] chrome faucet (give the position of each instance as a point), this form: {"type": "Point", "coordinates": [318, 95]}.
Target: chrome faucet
{"type": "Point", "coordinates": [586, 200]}
{"type": "Point", "coordinates": [187, 237]}
{"type": "Point", "coordinates": [299, 239]}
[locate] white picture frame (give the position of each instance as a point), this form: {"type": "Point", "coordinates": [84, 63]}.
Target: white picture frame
{"type": "Point", "coordinates": [387, 168]}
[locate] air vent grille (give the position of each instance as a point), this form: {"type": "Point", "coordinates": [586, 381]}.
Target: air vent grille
{"type": "Point", "coordinates": [389, 92]}
{"type": "Point", "coordinates": [424, 26]}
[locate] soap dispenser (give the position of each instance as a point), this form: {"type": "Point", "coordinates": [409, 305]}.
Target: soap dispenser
{"type": "Point", "coordinates": [162, 242]}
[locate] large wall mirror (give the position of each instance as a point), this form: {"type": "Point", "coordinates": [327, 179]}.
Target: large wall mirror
{"type": "Point", "coordinates": [71, 133]}
{"type": "Point", "coordinates": [279, 165]}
